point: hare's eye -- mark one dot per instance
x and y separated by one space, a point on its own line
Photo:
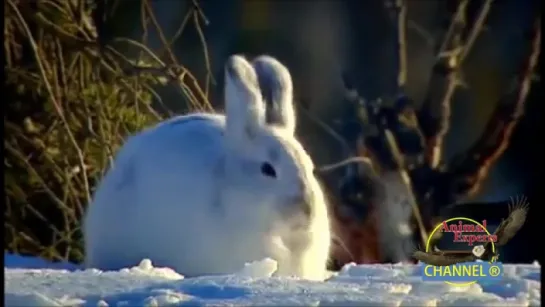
268 170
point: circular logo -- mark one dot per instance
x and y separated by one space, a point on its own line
493 269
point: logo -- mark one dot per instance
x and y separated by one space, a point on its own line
476 249
466 269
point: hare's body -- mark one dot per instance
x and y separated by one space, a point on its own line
204 195
128 230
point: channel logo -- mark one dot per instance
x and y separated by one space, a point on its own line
463 272
476 249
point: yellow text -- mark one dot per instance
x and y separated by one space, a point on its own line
471 270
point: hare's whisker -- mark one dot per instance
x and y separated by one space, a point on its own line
341 243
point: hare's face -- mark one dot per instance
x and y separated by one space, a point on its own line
276 175
268 169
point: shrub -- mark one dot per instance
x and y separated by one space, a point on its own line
73 97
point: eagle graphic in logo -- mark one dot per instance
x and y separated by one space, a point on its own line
518 210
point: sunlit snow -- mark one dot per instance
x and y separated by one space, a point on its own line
35 282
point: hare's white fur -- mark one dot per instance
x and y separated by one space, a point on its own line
189 193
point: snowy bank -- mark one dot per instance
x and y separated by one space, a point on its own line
34 282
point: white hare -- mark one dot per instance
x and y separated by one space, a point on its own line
207 193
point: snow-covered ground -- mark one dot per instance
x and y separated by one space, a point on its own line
34 282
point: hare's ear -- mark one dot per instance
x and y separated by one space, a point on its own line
244 106
277 88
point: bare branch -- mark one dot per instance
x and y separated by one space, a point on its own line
199 10
423 33
172 57
469 170
209 75
435 112
54 101
389 133
401 9
334 166
406 179
478 27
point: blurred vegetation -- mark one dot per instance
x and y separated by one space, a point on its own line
73 97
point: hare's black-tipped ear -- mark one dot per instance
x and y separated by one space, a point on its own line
277 88
244 106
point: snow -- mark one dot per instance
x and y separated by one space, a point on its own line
35 282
